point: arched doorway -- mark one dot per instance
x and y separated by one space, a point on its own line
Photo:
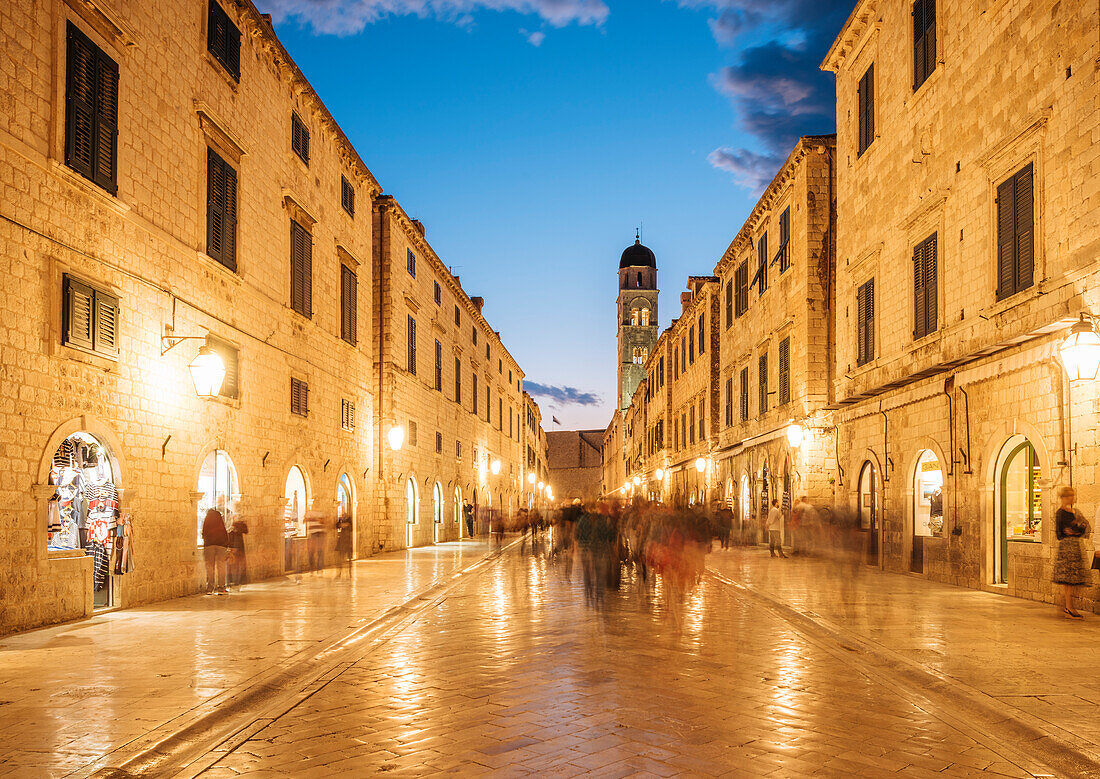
458 511
1018 501
764 496
437 510
84 510
412 511
867 509
927 506
296 497
744 516
346 506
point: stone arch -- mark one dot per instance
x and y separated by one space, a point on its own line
93 426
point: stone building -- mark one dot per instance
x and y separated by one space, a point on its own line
575 460
968 190
614 465
447 387
692 399
173 189
771 435
538 490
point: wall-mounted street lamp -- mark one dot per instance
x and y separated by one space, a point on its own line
207 373
396 437
549 493
637 481
495 467
541 485
659 474
700 464
795 433
531 477
1080 351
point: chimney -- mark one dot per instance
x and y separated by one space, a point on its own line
685 300
479 303
419 226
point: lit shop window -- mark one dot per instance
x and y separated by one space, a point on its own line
928 496
84 510
218 488
296 495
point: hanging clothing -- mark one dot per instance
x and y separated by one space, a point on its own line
53 516
65 456
101 564
124 546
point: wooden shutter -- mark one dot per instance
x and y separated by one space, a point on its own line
702 334
106 122
867 109
742 279
473 393
745 393
221 210
918 294
865 330
439 366
458 381
80 96
1006 239
78 314
229 254
1024 227
761 278
301 270
299 138
763 376
784 251
411 335
349 305
230 359
729 302
924 40
347 195
784 371
106 324
233 50
931 285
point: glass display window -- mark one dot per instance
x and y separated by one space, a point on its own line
218 488
1021 497
84 509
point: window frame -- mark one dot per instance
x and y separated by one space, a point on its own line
865 322
926 287
228 55
222 187
99 301
349 305
347 194
1009 242
98 110
865 110
410 344
299 138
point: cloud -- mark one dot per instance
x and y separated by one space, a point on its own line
534 38
750 170
774 83
348 17
565 396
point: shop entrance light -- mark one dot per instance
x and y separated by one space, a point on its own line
1081 351
207 372
795 432
396 437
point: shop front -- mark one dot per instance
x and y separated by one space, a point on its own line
84 513
296 502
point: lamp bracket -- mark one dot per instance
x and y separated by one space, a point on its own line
170 342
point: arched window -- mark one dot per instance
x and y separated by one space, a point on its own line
928 496
1019 504
746 499
868 497
217 488
645 317
634 316
296 495
412 502
458 511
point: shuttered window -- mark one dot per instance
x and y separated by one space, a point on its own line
458 316
223 40
488 402
689 426
702 333
90 318
865 323
783 253
924 41
412 433
745 394
221 210
741 279
438 294
439 366
763 376
866 109
439 443
729 401
91 111
925 312
299 397
410 262
785 371
349 305
301 270
458 381
702 420
473 393
230 357
299 138
347 195
760 280
347 415
1016 233
691 345
729 303
410 331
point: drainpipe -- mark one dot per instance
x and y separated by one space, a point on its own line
966 456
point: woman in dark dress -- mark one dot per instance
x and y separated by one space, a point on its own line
1070 570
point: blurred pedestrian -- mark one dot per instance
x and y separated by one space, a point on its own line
724 517
1070 570
343 544
315 540
214 541
236 561
468 516
775 530
798 526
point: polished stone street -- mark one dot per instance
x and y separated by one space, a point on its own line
510 665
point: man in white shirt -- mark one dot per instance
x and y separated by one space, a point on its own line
775 530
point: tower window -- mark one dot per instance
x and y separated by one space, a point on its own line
645 317
634 316
639 279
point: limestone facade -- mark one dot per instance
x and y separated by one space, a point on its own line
284 283
575 461
968 190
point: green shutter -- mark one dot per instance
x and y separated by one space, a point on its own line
78 314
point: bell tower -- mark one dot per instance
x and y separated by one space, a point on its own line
637 312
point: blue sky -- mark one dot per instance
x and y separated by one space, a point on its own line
532 137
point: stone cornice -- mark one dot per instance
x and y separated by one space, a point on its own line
859 20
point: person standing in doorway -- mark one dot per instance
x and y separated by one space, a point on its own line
343 544
468 516
1070 571
215 539
775 530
